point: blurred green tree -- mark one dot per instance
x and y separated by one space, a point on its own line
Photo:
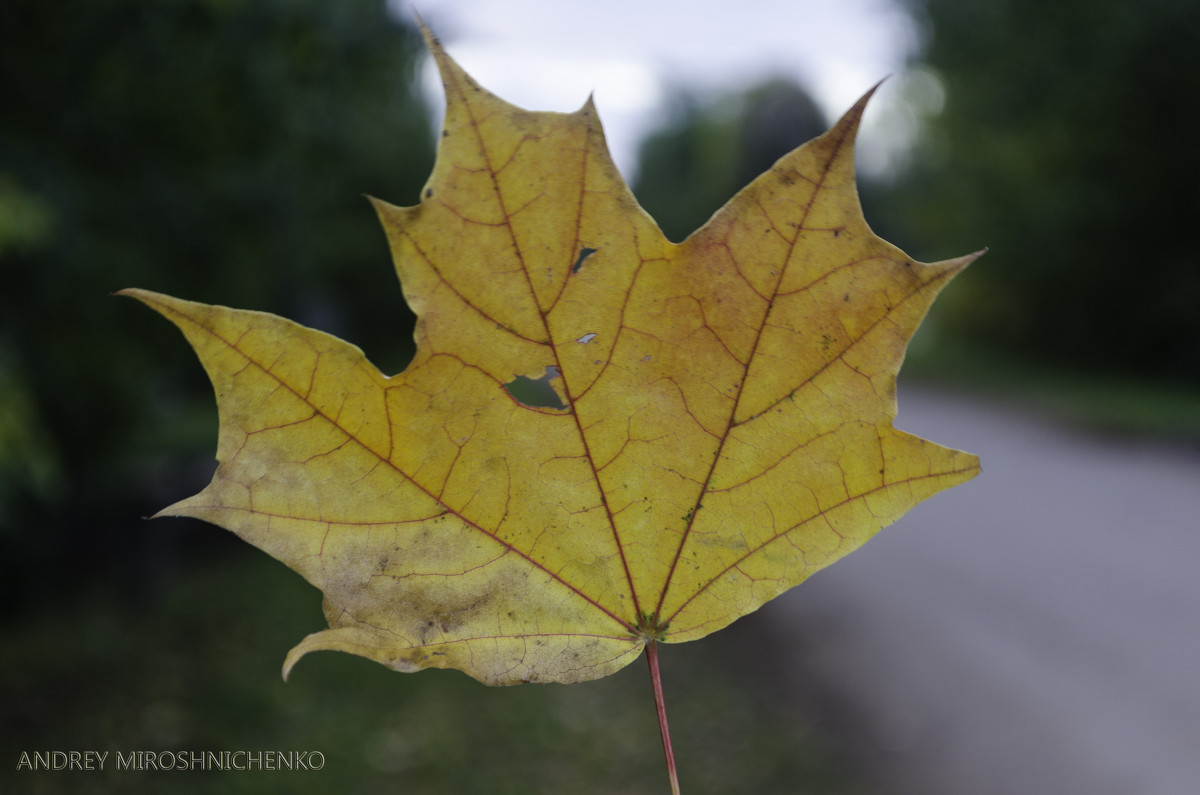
706 151
1067 144
215 149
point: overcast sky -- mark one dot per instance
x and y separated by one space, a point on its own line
550 54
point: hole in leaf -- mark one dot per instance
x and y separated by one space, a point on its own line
536 392
584 253
586 338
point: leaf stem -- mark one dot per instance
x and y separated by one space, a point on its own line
660 707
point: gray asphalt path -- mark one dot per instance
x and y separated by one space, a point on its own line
1036 630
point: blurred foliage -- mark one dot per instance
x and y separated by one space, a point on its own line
27 464
213 149
1067 145
705 151
24 220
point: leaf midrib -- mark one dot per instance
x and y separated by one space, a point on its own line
318 412
818 186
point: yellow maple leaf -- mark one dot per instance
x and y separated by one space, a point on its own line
726 421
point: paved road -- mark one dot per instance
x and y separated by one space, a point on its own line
1036 630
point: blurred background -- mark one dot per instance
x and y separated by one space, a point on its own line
219 150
